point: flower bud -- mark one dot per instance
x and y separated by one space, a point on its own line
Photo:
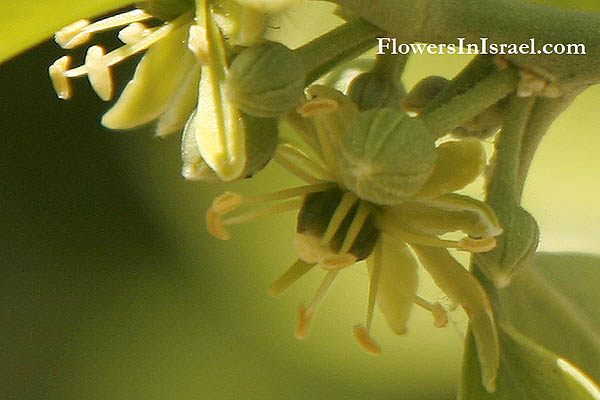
386 157
423 93
261 139
369 91
266 80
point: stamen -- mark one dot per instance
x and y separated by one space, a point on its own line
226 203
198 43
305 314
86 31
338 216
288 193
288 164
477 245
314 107
98 72
398 232
215 226
276 209
120 54
357 223
295 272
440 316
361 333
133 33
64 36
300 157
61 83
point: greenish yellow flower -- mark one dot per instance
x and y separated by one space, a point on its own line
377 191
180 80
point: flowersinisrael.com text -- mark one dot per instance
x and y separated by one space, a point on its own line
391 46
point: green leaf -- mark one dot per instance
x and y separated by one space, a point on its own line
584 5
527 371
27 23
556 302
549 313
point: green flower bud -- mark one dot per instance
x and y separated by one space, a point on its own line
369 91
386 157
266 80
261 139
423 93
166 9
316 213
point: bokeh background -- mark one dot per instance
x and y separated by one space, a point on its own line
112 289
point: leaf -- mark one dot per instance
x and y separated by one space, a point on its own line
556 302
27 23
527 371
548 314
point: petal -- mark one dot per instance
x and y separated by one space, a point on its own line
464 289
157 76
398 281
181 104
218 125
194 167
448 213
458 163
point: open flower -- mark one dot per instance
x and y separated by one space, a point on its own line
180 80
360 204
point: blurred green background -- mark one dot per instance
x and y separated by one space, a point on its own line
112 289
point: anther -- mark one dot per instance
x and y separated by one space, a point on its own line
99 73
440 316
133 33
361 334
305 314
61 83
64 37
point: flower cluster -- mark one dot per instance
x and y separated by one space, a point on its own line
380 184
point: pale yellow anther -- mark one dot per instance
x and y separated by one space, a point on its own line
318 106
98 72
361 334
215 226
440 316
304 319
226 203
477 245
311 250
64 37
61 83
133 33
198 43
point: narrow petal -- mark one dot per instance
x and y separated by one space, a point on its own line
220 131
447 213
398 281
464 289
154 83
458 163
